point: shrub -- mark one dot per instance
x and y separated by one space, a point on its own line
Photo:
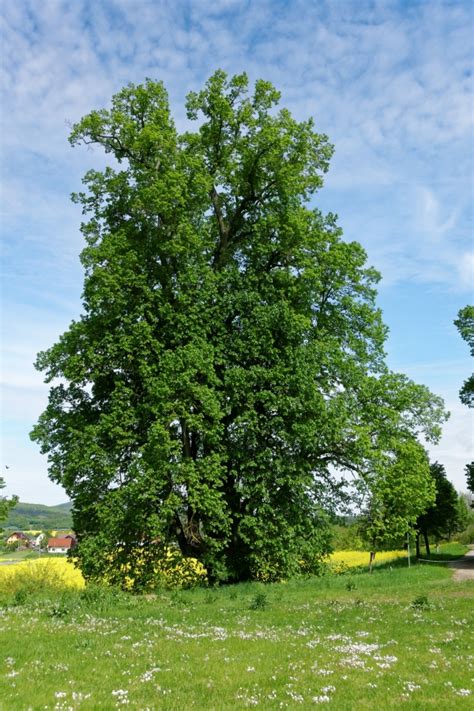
147 569
176 571
259 601
421 603
467 536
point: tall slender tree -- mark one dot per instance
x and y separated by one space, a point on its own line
465 325
469 469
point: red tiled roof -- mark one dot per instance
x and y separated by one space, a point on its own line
61 542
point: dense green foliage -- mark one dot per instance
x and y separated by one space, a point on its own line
465 325
467 536
465 513
346 537
6 504
441 519
39 517
229 362
470 476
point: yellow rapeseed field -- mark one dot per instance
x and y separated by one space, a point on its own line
340 560
60 573
54 572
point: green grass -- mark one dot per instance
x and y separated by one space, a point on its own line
28 554
17 556
447 551
359 641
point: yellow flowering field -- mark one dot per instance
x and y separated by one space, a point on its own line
60 572
341 560
54 572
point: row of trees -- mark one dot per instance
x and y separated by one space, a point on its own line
448 514
385 520
225 386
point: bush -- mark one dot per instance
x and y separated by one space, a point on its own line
176 571
421 603
467 536
148 569
259 601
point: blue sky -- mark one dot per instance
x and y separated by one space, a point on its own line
389 82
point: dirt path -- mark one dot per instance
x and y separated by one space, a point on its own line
464 567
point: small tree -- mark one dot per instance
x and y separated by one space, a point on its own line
441 518
465 515
399 492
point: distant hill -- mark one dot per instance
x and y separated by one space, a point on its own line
64 507
38 517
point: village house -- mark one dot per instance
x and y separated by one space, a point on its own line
18 537
61 544
38 540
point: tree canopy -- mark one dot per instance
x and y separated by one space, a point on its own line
227 374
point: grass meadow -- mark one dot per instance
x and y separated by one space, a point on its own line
399 637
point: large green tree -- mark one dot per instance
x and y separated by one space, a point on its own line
229 361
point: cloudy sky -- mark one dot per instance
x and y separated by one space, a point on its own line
390 82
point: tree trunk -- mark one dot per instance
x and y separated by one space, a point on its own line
417 540
427 544
371 561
